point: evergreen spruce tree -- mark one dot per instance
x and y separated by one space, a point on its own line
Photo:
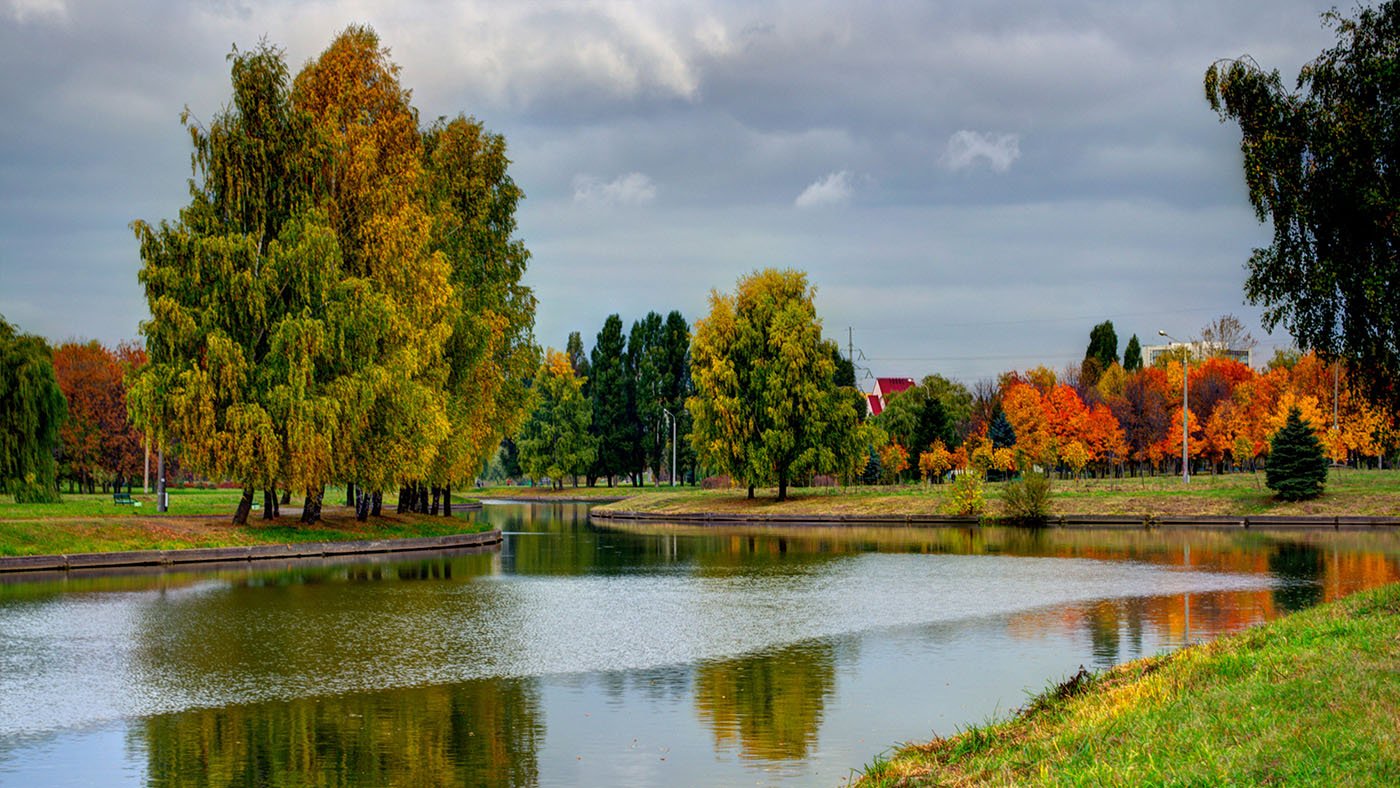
1297 468
1000 431
873 468
1132 355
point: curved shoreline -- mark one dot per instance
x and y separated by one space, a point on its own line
1253 521
260 552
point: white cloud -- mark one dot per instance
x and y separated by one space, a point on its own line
24 10
634 188
965 148
833 189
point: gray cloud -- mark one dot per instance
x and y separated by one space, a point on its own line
967 149
634 188
832 189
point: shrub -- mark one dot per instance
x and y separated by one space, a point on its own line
1027 499
967 496
1297 468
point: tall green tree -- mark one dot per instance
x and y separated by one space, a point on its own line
767 407
676 388
612 393
1322 162
1103 347
555 440
32 410
645 373
1132 355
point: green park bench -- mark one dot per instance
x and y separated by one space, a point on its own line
123 499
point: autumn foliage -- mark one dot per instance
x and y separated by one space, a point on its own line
1231 415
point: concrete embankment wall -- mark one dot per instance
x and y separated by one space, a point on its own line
1314 522
262 552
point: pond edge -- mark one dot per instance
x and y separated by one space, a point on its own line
259 552
1115 521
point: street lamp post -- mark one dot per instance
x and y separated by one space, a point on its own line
1185 412
673 445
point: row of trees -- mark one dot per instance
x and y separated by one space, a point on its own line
1132 422
630 388
341 299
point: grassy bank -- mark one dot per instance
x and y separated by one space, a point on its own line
1349 492
197 518
1310 699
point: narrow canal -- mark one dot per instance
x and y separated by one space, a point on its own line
582 655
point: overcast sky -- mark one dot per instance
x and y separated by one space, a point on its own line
971 186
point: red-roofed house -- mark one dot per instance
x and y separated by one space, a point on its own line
884 389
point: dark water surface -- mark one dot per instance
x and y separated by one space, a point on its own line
579 655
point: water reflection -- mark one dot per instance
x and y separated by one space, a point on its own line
472 733
768 704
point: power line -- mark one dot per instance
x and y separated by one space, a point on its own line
1031 321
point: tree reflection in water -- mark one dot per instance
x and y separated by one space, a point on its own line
771 703
472 733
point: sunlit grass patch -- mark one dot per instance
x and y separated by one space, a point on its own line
1308 699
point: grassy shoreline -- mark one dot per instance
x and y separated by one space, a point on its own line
1310 698
197 518
1349 492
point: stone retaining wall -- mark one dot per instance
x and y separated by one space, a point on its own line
201 555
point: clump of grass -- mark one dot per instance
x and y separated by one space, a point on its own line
1307 699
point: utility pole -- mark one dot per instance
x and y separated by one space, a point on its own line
672 417
160 477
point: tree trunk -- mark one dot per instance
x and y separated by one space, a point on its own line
361 505
376 503
286 498
269 503
349 493
447 500
437 499
245 505
422 498
750 492
782 485
311 510
403 499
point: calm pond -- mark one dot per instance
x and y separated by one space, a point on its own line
584 655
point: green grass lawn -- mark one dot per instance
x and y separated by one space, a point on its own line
1349 492
83 523
1310 699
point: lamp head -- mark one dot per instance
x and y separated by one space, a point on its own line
1161 333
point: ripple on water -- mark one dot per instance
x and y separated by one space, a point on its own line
74 660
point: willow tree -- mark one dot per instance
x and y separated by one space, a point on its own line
219 282
393 316
491 353
766 405
32 410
